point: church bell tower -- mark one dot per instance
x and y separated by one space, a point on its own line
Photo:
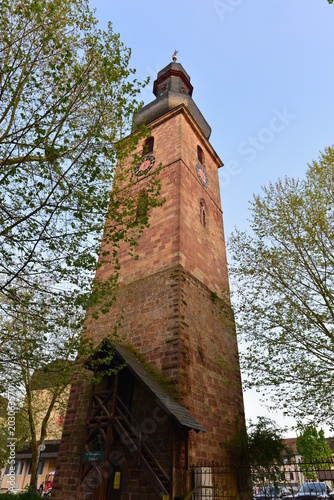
176 318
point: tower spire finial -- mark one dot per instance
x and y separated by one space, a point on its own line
174 55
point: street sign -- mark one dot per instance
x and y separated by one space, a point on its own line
93 456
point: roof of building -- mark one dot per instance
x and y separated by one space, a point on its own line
172 88
51 450
291 442
163 399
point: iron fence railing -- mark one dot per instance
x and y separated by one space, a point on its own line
242 481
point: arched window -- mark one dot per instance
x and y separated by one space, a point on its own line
200 155
148 146
203 213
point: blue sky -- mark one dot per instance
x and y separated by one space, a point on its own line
263 77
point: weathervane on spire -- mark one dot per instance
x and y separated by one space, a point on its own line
174 55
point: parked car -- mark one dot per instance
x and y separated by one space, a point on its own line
314 490
274 491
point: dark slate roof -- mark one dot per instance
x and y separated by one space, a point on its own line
173 75
163 399
51 450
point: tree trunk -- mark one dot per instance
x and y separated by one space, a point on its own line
34 464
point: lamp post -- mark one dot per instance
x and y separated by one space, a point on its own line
41 447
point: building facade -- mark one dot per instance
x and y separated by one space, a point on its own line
176 319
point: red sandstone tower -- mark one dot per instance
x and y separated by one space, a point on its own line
131 438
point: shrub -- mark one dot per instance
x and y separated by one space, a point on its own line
19 496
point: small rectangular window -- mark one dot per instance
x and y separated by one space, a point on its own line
21 467
149 144
200 155
40 467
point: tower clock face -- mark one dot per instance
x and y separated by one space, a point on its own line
145 165
201 174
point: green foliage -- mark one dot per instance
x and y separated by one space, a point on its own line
266 445
67 101
19 496
316 453
261 445
283 288
100 362
21 431
67 97
3 433
30 373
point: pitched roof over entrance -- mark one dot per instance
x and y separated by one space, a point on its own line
162 397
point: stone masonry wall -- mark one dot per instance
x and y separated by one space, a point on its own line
150 319
169 302
177 324
210 379
158 247
175 233
202 248
71 446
